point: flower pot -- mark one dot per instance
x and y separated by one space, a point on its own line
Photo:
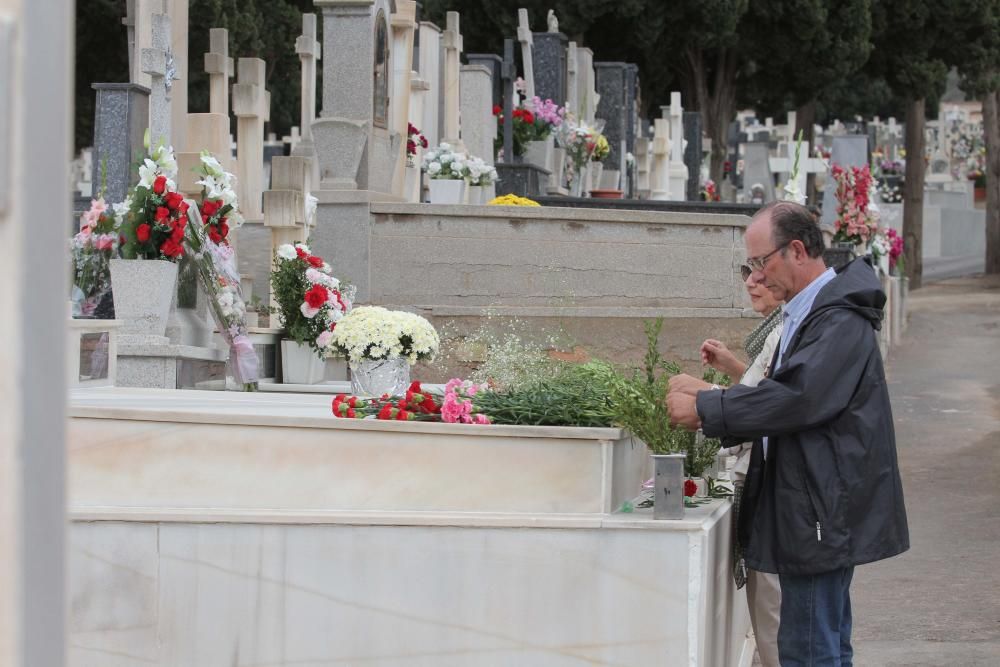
447 191
143 290
540 153
979 194
381 376
411 188
668 486
300 364
606 194
596 170
476 193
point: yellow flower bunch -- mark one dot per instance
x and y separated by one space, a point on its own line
512 200
601 148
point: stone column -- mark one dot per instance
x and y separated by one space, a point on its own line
121 116
36 86
452 40
403 24
252 106
572 81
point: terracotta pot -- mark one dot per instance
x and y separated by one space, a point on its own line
606 194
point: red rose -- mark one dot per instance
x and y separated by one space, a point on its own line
528 117
518 113
178 234
162 213
690 487
173 199
316 296
411 147
497 110
182 208
301 253
215 237
209 208
315 262
423 141
160 184
141 233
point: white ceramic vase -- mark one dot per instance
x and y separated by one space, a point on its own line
447 191
300 364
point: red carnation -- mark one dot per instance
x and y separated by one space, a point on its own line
528 117
301 253
385 412
160 184
141 233
162 213
690 487
497 110
173 199
403 416
316 296
315 262
415 387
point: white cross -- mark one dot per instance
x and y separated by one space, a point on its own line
527 41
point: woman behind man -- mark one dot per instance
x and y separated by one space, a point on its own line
763 590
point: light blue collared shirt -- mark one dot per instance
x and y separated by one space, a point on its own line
794 312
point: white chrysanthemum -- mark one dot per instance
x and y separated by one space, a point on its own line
286 251
434 168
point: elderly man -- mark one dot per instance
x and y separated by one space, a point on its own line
823 492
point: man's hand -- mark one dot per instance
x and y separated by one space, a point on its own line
685 384
683 410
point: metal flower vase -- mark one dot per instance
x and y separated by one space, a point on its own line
376 377
668 486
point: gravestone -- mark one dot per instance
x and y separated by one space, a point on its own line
660 168
403 23
678 170
493 63
572 79
479 128
157 63
612 109
526 38
693 154
219 67
252 107
847 151
121 116
757 170
309 51
549 60
587 97
452 43
430 71
632 104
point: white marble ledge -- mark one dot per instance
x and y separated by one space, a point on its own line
283 410
171 350
698 518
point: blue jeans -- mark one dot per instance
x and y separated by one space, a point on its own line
815 628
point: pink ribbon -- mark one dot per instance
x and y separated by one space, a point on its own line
244 359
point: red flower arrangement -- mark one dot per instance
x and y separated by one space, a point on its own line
154 225
213 214
413 139
690 488
854 223
416 405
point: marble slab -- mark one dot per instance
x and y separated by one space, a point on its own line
173 449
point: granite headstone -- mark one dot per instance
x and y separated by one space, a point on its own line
692 153
612 108
121 116
550 66
494 64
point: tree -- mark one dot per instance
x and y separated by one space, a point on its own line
916 41
981 78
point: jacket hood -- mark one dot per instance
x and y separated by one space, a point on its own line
856 287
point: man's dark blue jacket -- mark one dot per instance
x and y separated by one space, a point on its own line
828 495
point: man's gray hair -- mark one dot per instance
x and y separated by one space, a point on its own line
793 222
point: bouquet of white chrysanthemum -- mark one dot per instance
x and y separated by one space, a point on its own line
374 333
445 163
480 173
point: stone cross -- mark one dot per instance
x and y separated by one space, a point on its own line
452 41
661 160
309 51
507 73
527 41
157 62
129 23
252 106
572 94
219 67
403 24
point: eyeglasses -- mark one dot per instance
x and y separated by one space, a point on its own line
757 263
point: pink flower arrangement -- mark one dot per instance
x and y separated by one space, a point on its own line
548 115
895 247
855 223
